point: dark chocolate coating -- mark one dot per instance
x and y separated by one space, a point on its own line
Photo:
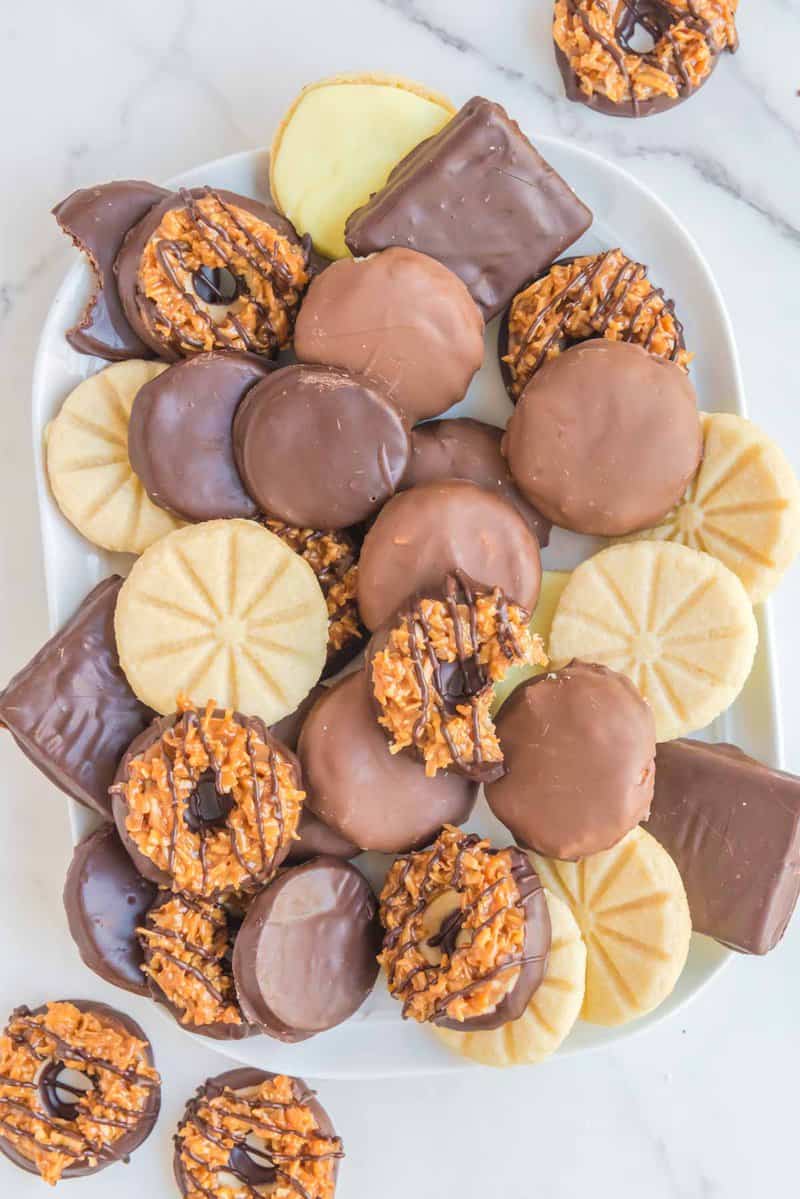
180 435
468 449
371 797
479 198
319 447
97 219
732 825
305 958
579 745
106 899
287 730
71 710
129 1141
445 528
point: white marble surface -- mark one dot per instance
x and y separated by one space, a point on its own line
702 1106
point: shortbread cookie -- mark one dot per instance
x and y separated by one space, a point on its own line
632 911
222 608
553 583
551 1011
88 467
337 144
743 505
676 621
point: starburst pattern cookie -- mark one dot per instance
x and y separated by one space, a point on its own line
88 466
552 1009
222 608
677 622
743 505
631 908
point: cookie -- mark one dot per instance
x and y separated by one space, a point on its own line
305 956
78 1091
211 270
180 436
632 911
337 143
222 608
432 667
551 1012
605 438
579 747
467 932
207 801
319 447
743 505
553 583
400 318
677 622
90 473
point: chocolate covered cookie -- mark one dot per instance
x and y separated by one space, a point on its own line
371 797
210 270
319 447
437 529
467 932
605 438
305 956
78 1088
105 900
400 318
180 435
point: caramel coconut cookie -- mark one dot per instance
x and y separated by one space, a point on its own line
207 801
600 67
78 1088
467 932
267 1131
211 270
187 944
597 295
432 672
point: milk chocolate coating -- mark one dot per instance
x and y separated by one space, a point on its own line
478 198
318 447
97 219
445 528
605 438
732 825
579 748
106 899
180 435
70 710
371 797
305 956
402 319
468 449
130 1140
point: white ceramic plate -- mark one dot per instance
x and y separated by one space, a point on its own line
376 1042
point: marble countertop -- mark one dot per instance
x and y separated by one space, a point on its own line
703 1105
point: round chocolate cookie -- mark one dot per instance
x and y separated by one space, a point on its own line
305 956
267 1131
180 435
319 447
207 802
67 1121
605 438
467 932
579 746
211 270
400 317
105 899
437 529
468 449
371 797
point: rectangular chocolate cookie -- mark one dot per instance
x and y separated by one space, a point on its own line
479 198
732 826
71 710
